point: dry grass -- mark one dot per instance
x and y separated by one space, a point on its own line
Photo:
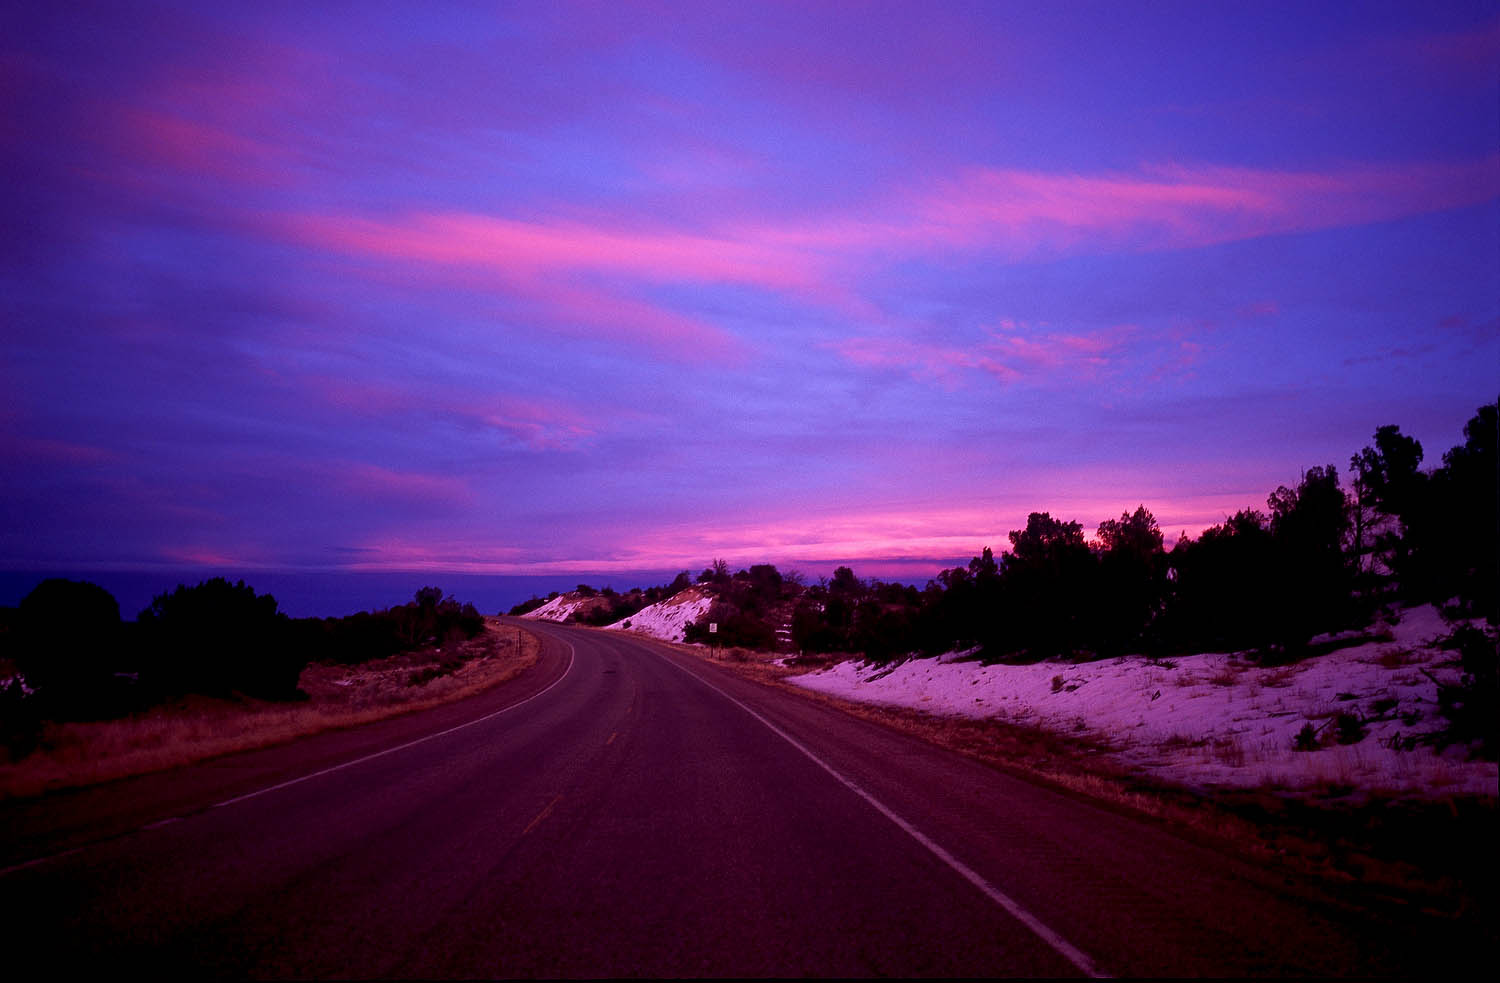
196 728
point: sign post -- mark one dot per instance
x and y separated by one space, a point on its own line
713 643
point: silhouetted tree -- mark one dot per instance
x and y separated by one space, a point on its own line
1224 585
1391 509
219 638
1465 546
845 584
717 573
1313 577
1047 587
69 643
1132 579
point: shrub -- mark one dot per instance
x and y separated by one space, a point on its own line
69 645
1349 729
219 638
735 629
1471 706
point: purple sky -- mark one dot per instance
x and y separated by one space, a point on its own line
557 287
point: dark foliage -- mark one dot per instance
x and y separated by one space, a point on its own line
1132 582
1463 550
735 628
1472 706
68 642
218 639
430 618
1223 584
1313 580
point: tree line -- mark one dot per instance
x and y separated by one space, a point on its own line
77 659
1316 559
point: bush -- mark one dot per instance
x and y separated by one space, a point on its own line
1471 706
1349 729
219 638
735 629
69 645
429 619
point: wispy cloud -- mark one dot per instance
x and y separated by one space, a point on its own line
1172 206
532 422
1013 353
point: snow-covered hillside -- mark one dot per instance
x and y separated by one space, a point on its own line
667 619
563 606
1220 720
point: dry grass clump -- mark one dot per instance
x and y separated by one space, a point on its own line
195 728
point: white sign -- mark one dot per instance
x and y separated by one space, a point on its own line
713 627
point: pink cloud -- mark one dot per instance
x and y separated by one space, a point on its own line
208 556
944 364
538 425
523 250
592 280
1011 353
535 423
17 448
1175 206
186 146
373 481
582 311
552 271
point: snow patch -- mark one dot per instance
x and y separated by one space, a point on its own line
668 619
560 608
1215 719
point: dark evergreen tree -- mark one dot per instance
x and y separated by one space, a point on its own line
1314 578
1132 580
1464 549
1047 587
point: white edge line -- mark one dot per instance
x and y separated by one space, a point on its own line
572 655
1063 947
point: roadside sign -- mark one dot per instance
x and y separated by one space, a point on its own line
713 627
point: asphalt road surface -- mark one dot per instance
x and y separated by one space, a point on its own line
626 810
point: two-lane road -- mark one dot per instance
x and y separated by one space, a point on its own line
628 810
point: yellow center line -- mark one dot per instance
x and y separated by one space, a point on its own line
547 811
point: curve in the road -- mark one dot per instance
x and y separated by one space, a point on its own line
628 809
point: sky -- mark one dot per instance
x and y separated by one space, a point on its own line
545 289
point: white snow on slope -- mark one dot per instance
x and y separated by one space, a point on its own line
560 608
667 619
1215 720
